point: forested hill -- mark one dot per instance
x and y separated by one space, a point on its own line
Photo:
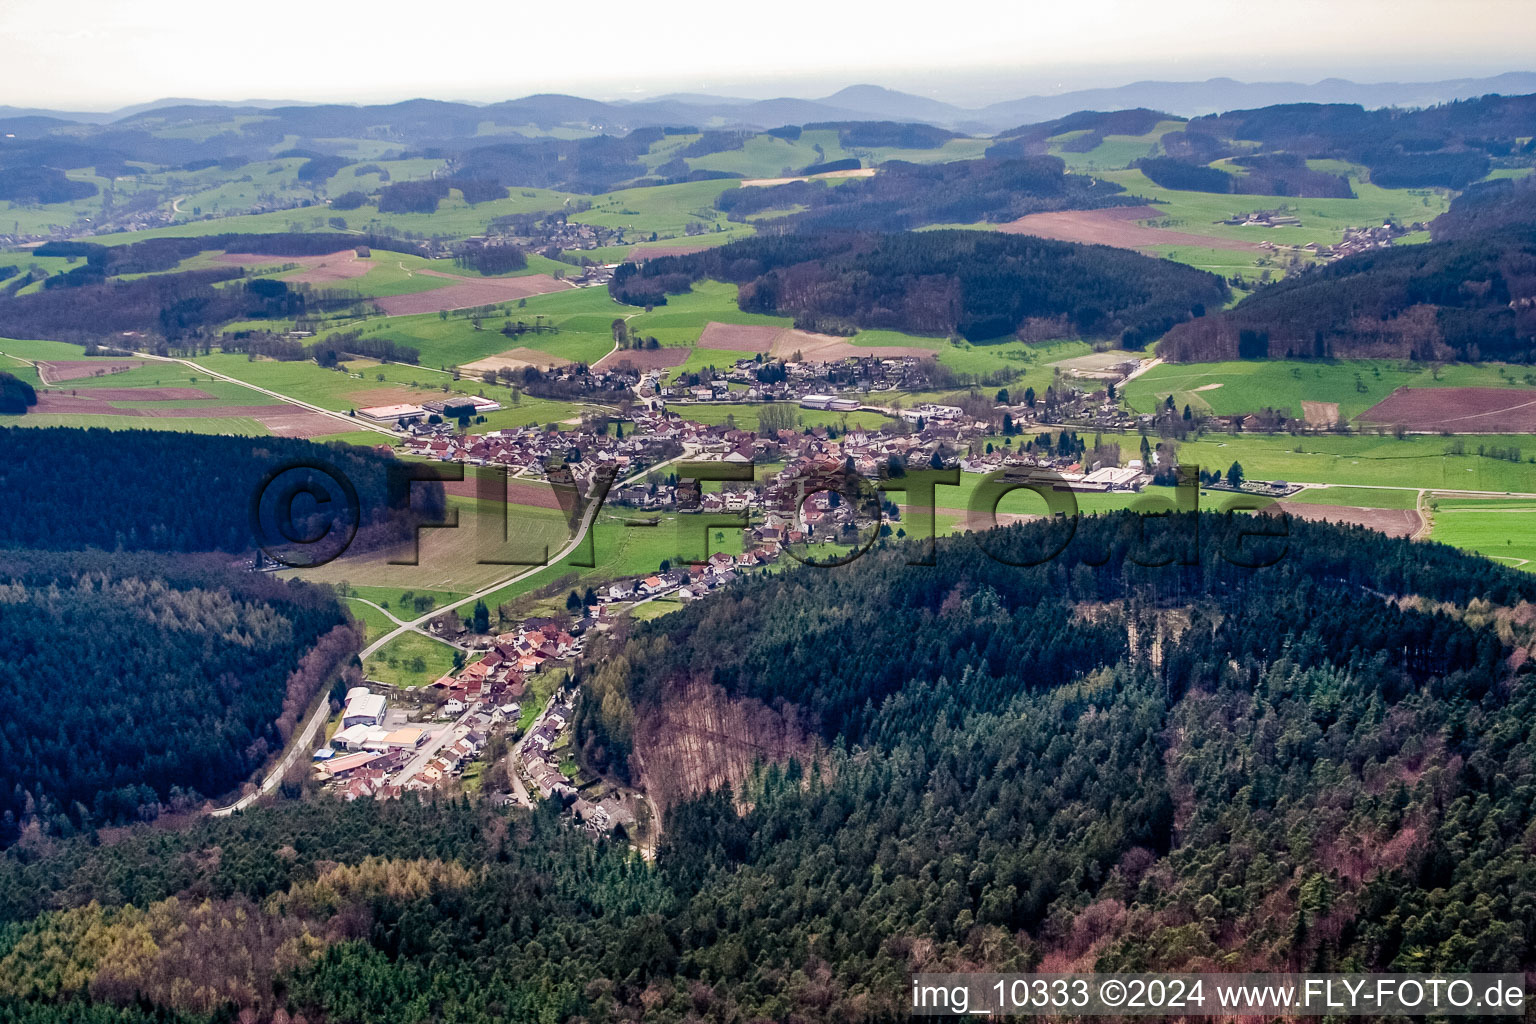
994 624
159 490
907 195
1472 297
977 284
1086 764
136 682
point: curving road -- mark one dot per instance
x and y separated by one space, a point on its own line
305 741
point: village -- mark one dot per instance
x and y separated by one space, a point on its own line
504 714
388 742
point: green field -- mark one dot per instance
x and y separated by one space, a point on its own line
1322 220
361 386
1358 497
1502 530
665 211
375 622
1231 388
1414 462
410 659
1113 151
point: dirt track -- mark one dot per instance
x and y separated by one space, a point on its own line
515 359
1394 522
56 371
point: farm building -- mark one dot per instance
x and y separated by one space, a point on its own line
393 413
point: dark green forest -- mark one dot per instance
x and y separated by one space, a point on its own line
1443 300
906 195
977 284
134 682
137 681
1450 145
155 490
1097 761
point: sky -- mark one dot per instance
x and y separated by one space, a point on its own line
105 54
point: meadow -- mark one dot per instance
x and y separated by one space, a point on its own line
1113 151
1501 530
1417 461
1322 220
1231 388
410 660
367 383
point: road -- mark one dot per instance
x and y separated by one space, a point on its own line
519 791
319 715
352 422
431 747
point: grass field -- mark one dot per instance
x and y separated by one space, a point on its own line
1502 530
450 560
766 156
1230 388
375 622
1415 461
1114 151
342 390
410 659
1322 220
663 210
623 550
1358 497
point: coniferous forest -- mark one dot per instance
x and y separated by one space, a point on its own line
976 284
1176 744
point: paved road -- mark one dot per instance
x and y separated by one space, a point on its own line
306 737
432 746
520 792
300 746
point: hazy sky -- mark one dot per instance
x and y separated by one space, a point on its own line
103 54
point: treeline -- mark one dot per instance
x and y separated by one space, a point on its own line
977 284
1266 174
1488 207
493 259
334 348
167 681
413 196
168 491
1031 139
588 165
1443 300
891 134
154 255
1209 557
16 395
905 195
169 306
42 185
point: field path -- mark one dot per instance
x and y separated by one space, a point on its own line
341 417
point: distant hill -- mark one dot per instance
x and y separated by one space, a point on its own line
873 102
